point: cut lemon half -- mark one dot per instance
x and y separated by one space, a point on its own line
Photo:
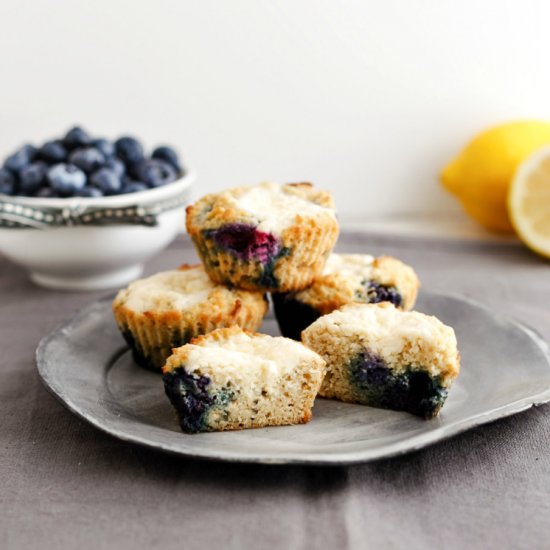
529 201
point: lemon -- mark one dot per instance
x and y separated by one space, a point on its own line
529 202
481 175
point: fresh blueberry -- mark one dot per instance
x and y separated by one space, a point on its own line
20 159
106 180
53 152
129 149
76 137
89 192
167 154
87 159
126 179
32 178
46 193
134 187
66 179
30 149
7 182
105 146
115 165
133 169
155 172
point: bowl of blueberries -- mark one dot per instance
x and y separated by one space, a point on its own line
83 213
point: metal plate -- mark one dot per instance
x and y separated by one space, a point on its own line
505 370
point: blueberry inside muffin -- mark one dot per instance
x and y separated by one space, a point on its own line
249 245
232 379
246 242
189 395
346 278
414 391
264 237
380 356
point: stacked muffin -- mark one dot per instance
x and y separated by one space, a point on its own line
197 323
270 237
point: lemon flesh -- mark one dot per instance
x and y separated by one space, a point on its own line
529 202
481 175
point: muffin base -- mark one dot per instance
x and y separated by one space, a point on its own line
292 315
153 358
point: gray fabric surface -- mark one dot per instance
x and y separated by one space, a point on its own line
64 484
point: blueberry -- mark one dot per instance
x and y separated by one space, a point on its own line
46 193
76 137
89 192
87 159
155 172
134 170
30 150
126 179
412 390
115 165
246 242
32 177
129 149
105 146
381 293
167 154
106 180
133 187
53 152
20 159
189 395
7 182
66 179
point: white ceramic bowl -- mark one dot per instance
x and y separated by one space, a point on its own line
91 243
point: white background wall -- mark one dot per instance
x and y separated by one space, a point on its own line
366 98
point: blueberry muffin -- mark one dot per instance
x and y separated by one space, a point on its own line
168 309
232 379
267 237
346 278
380 356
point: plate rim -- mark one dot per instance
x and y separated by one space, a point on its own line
398 448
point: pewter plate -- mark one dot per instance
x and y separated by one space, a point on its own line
505 370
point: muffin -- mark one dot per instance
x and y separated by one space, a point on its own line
232 379
168 309
380 356
346 278
268 237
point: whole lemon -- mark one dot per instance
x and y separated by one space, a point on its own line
481 174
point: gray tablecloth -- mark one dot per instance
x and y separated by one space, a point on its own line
64 484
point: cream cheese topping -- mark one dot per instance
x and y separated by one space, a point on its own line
275 208
387 331
259 360
169 290
355 268
352 264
